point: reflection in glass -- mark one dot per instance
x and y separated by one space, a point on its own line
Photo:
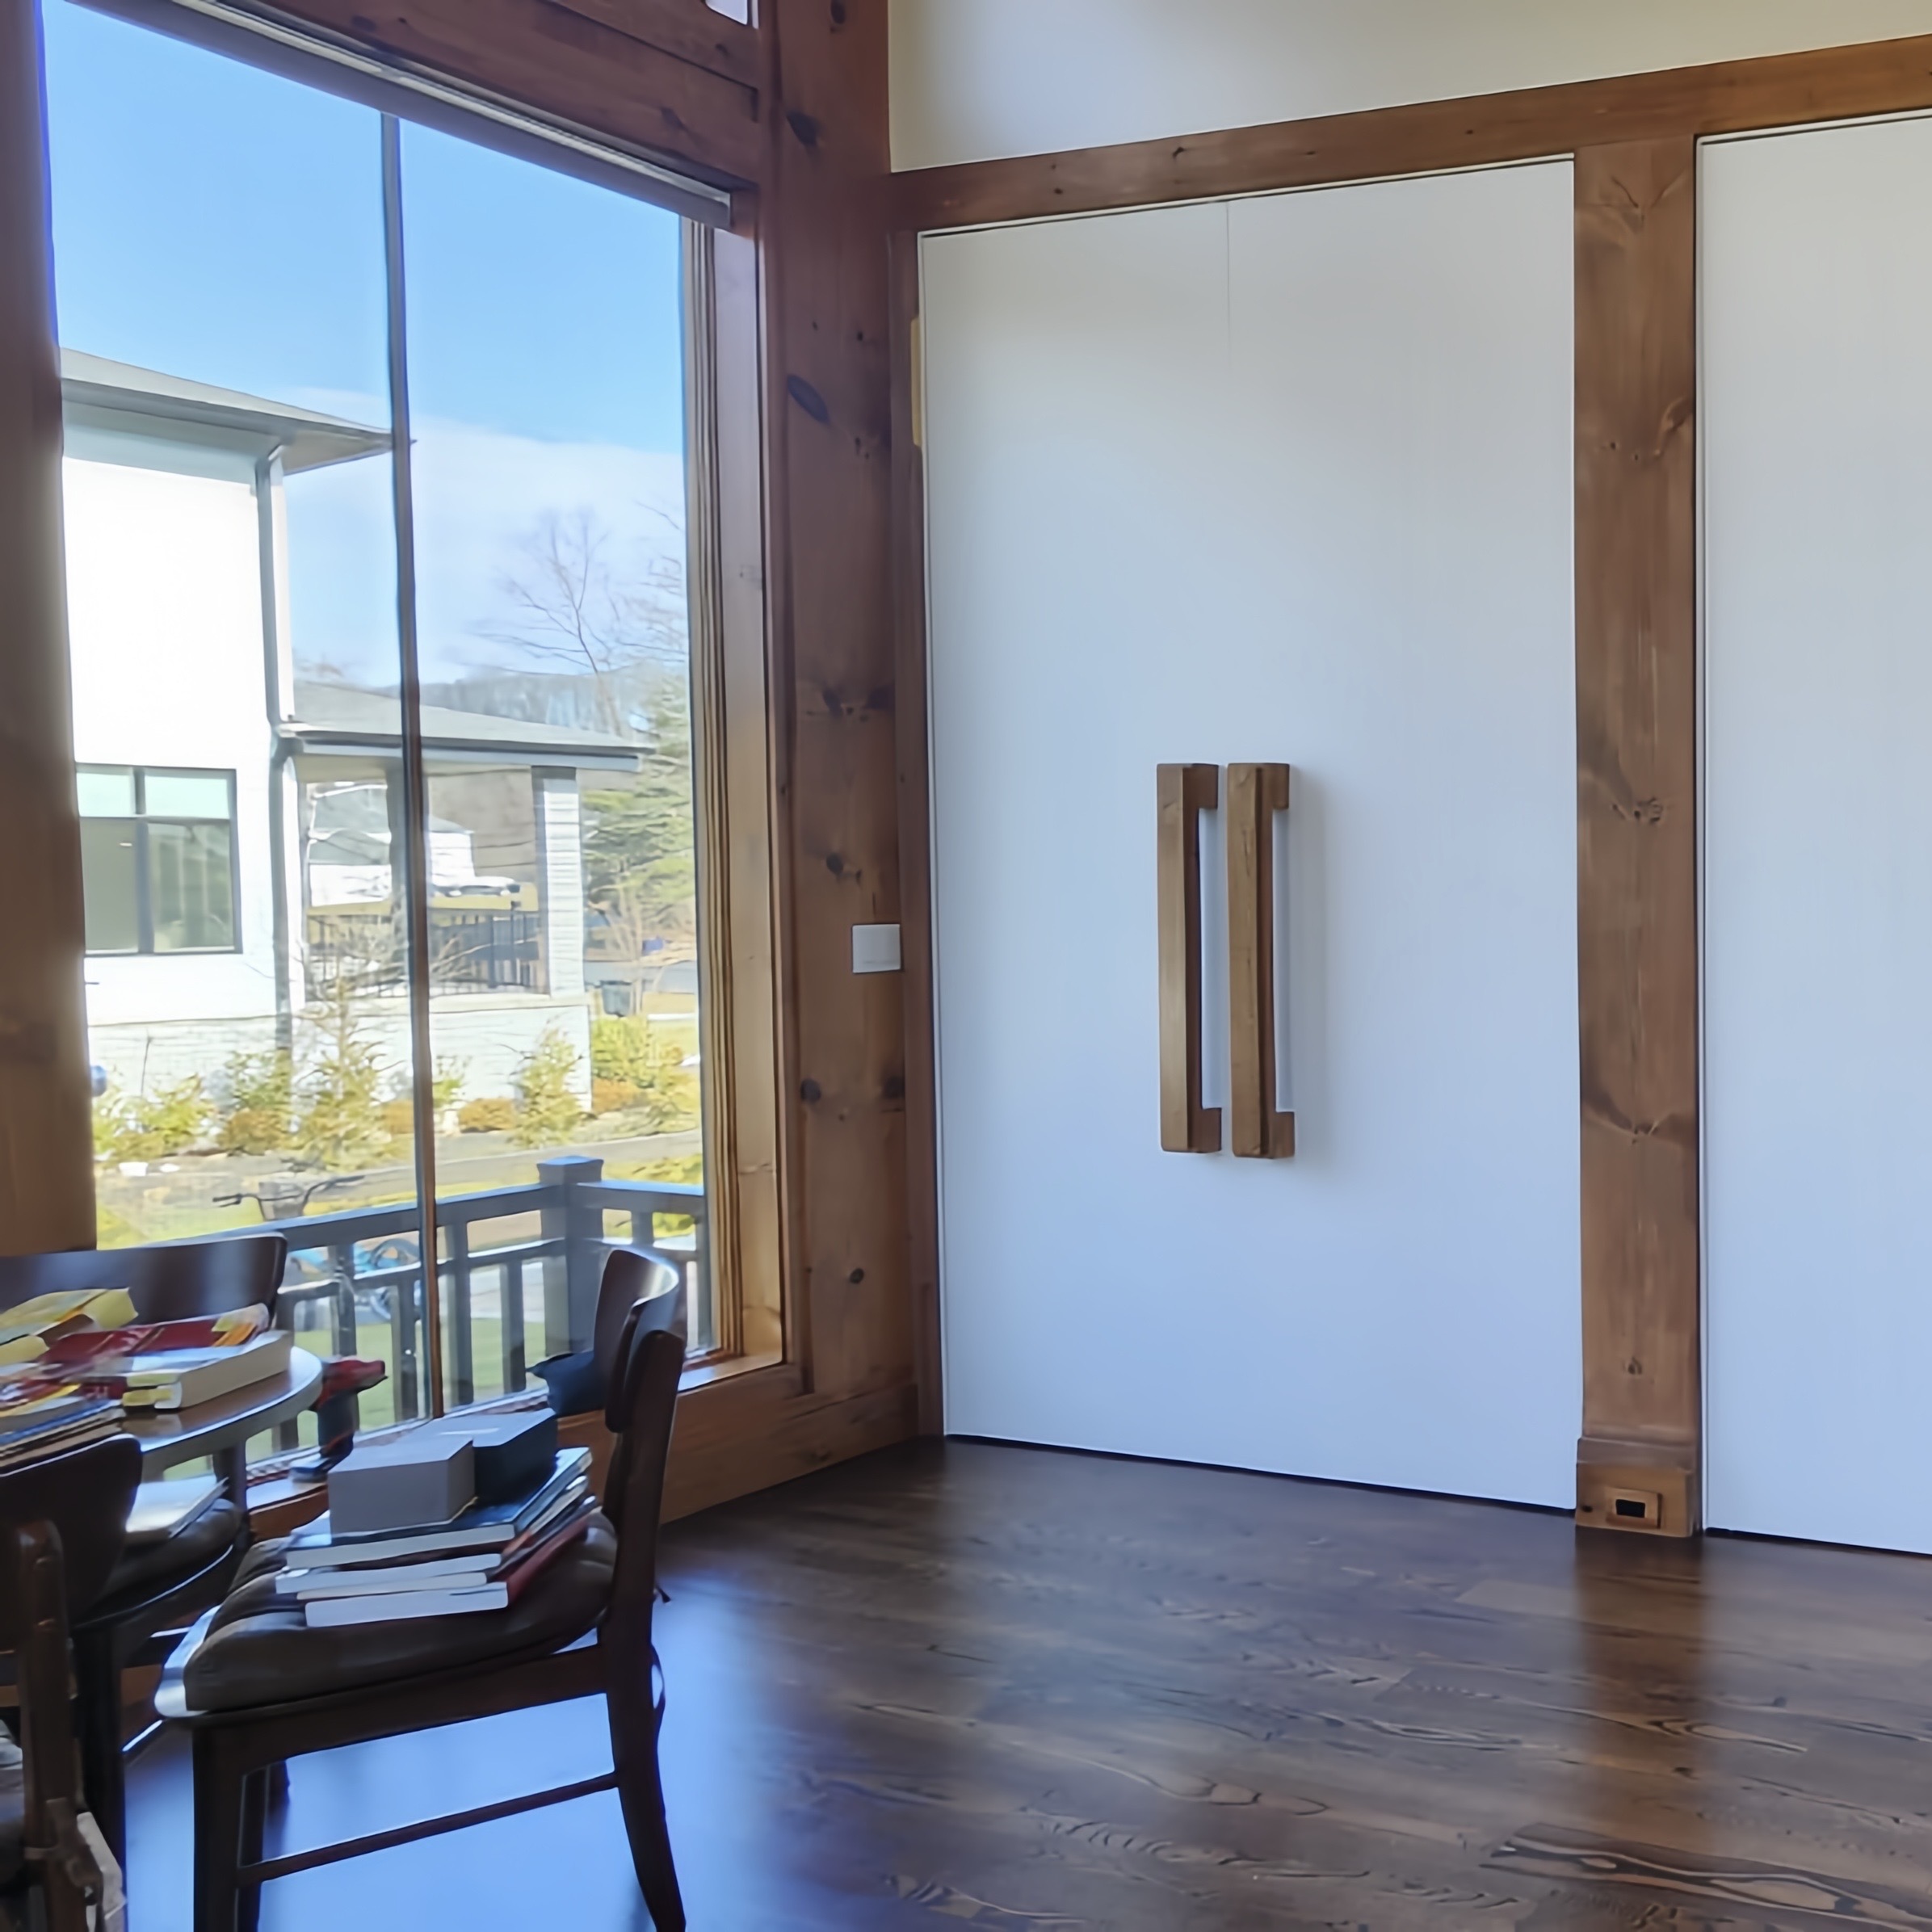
546 375
224 307
221 299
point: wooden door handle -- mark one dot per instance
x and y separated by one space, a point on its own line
1258 1129
1186 792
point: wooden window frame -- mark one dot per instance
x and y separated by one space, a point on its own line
736 812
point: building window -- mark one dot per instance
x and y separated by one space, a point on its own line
157 856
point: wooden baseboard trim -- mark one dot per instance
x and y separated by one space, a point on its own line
1638 1488
726 1449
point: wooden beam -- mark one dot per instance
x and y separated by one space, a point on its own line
46 1143
1885 76
915 831
688 30
561 62
1636 722
829 448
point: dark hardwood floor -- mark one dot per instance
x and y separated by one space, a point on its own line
965 1684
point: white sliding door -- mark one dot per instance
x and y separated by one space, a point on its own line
1817 428
1287 479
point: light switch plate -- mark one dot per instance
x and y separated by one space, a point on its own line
875 949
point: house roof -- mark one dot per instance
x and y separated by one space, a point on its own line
341 719
122 396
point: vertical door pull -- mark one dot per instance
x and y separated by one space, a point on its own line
1257 1129
1186 792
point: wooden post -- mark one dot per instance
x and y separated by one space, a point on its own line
46 1146
1639 1461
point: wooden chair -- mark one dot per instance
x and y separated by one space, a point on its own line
258 1687
60 1524
163 1585
580 1383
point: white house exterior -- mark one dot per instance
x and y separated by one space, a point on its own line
176 544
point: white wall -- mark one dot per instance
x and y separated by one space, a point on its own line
972 79
164 597
1817 412
1288 479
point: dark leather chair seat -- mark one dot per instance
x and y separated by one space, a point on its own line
259 1651
13 1809
145 1569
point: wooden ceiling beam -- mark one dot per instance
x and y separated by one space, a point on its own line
686 29
1832 83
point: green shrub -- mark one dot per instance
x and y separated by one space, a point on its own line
494 1116
339 1125
613 1096
619 1049
151 1127
548 1108
259 1117
636 1053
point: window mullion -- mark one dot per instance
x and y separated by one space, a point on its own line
415 791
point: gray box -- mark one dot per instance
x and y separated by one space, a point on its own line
418 1481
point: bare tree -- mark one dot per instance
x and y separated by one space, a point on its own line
575 602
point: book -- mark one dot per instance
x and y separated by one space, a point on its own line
62 1418
184 1377
469 1570
461 1571
434 1573
25 1404
79 1351
27 1329
336 1613
58 1438
163 1509
481 1527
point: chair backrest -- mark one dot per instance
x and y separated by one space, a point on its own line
631 1275
169 1282
634 1495
85 1495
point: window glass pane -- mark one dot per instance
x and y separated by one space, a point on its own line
185 794
105 794
223 226
107 874
547 375
190 887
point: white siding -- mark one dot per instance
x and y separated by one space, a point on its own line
164 604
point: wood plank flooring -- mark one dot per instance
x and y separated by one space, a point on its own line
960 1683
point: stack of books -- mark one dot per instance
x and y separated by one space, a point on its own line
27 1328
171 1364
481 1558
39 1418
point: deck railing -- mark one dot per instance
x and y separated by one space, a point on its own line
346 1266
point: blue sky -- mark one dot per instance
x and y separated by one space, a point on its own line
222 224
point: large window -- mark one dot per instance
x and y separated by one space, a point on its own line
157 852
395 673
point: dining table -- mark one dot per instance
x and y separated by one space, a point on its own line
222 1429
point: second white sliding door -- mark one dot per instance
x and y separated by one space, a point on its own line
1287 479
